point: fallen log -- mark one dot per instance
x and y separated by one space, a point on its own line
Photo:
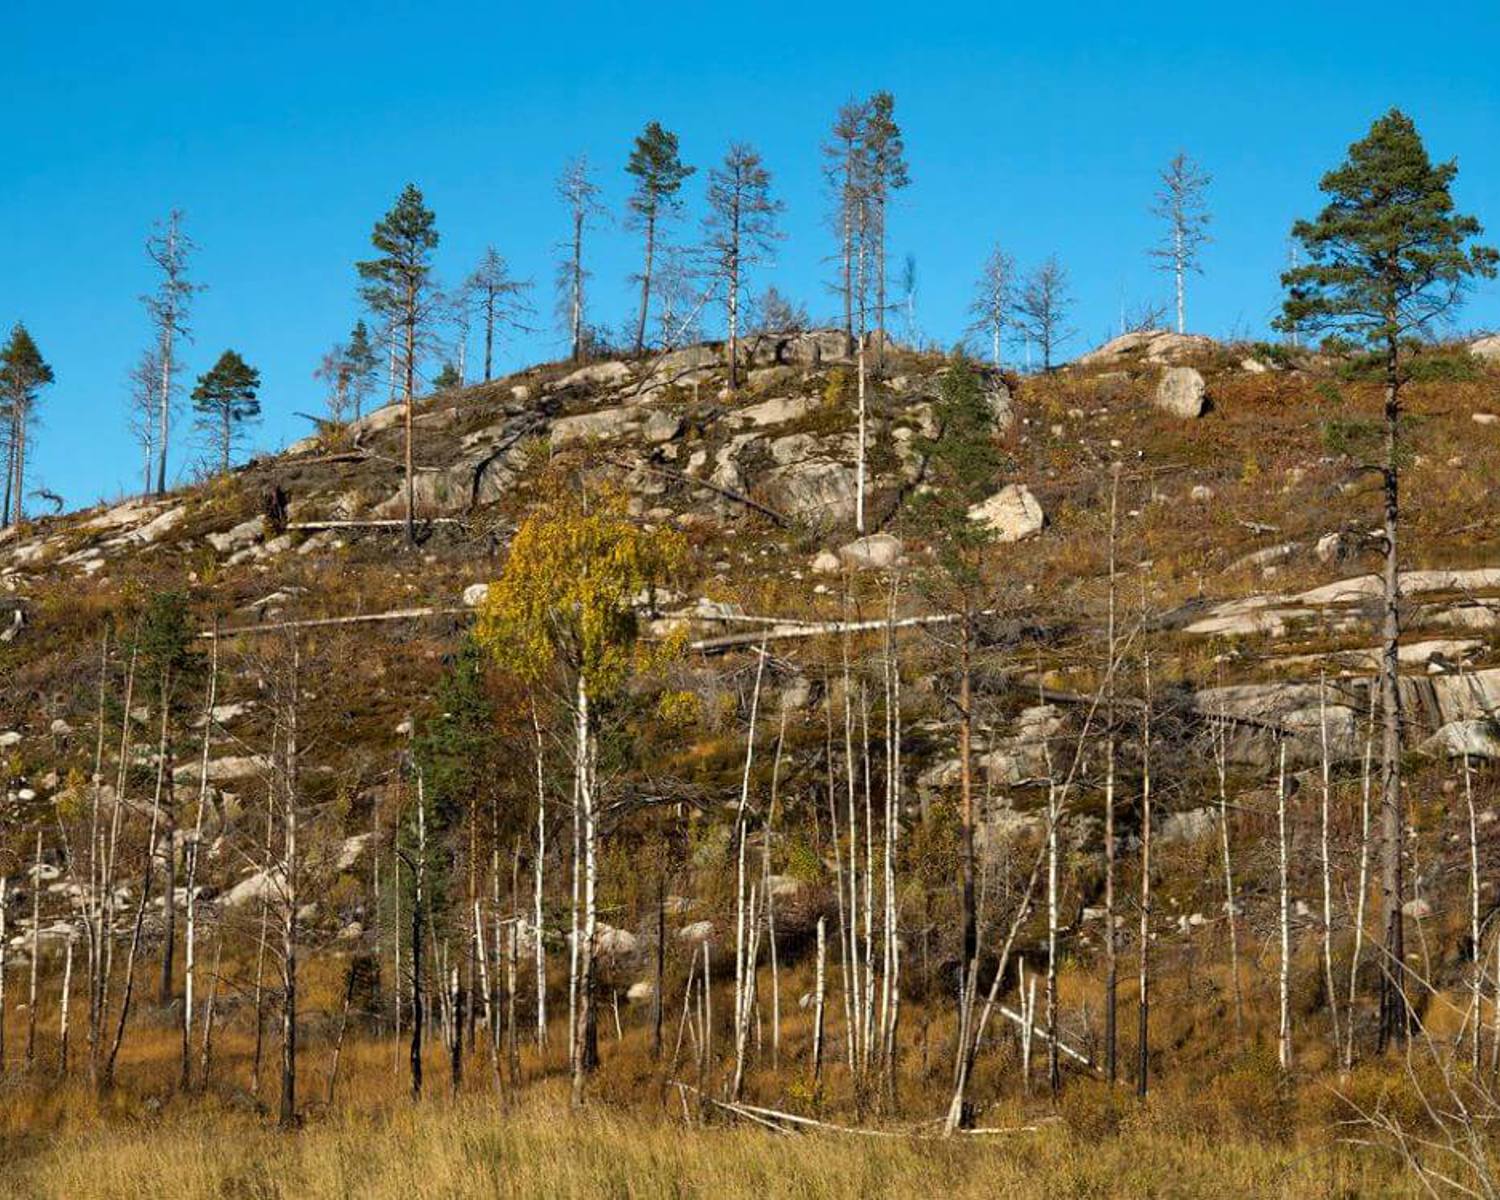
400 614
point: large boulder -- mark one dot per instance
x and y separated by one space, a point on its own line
387 417
1002 408
1182 392
601 425
777 411
1487 348
1011 514
606 374
1150 345
875 552
817 491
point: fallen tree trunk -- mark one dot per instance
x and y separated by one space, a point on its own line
401 614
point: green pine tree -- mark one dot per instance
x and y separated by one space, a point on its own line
659 172
398 286
361 364
23 373
226 401
1386 258
963 466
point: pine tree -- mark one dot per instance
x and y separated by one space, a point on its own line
398 286
225 401
361 364
886 171
23 373
659 172
740 229
963 464
1387 258
844 164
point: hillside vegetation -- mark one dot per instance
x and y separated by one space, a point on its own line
253 691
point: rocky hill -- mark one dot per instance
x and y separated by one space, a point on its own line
1244 538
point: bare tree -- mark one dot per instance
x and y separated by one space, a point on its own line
843 170
169 249
1182 205
994 299
740 230
1042 308
333 371
581 195
499 299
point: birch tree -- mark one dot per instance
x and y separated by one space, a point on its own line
740 231
398 285
1387 258
566 598
994 300
1182 206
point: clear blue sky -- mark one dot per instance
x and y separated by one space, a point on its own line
285 130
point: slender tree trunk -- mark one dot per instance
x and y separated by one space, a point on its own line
1231 915
205 1059
1361 892
575 298
1283 923
1476 980
63 1007
164 401
538 866
290 872
36 953
1111 940
966 793
1143 1010
1327 865
418 999
4 947
859 483
586 1053
819 991
1394 1011
1054 820
640 325
489 333
661 961
409 322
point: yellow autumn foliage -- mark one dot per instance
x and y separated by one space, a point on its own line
569 590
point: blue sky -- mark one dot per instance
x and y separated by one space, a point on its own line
285 130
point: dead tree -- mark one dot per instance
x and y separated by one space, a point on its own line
1183 209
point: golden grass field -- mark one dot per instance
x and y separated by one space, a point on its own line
1238 1131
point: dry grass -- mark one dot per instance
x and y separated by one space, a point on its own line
534 1147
